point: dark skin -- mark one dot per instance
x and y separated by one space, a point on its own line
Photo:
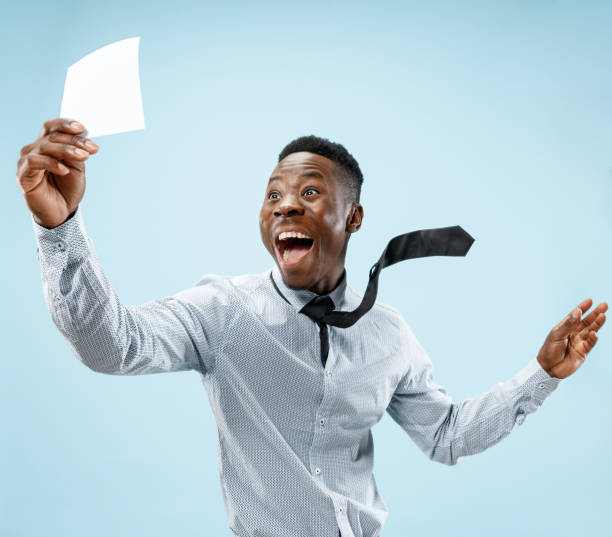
306 194
51 171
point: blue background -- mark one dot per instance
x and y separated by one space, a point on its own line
494 116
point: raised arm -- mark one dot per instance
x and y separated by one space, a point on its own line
177 333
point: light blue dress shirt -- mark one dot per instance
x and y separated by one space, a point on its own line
295 447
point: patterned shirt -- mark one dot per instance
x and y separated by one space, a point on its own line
295 447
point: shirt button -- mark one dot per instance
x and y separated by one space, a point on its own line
322 422
541 386
340 509
60 246
328 373
317 471
520 418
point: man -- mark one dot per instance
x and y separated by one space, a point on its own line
294 397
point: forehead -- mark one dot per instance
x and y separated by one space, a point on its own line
303 162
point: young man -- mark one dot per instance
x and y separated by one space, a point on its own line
294 397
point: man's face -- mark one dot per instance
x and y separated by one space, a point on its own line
306 219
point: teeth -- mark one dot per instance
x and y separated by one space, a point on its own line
292 235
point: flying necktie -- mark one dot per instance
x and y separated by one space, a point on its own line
445 241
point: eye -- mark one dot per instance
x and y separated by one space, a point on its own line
312 190
273 195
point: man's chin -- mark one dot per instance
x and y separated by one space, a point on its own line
295 277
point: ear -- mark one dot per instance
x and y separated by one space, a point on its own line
353 222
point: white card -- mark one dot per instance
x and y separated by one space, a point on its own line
102 90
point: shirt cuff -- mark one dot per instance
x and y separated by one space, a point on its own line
530 387
57 246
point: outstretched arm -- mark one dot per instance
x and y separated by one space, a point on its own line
446 431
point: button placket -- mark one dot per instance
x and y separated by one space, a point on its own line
341 517
317 448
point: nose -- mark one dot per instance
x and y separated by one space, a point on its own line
289 206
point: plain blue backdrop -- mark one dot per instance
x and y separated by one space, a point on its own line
493 116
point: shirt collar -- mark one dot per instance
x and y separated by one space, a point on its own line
298 298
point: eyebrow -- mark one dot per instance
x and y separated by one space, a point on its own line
305 174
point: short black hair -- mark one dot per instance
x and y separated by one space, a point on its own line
332 151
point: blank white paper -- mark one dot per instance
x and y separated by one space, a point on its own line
102 90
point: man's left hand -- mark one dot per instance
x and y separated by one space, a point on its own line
568 343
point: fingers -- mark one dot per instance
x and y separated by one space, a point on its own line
588 320
586 339
585 345
32 165
26 149
60 124
74 165
597 323
49 156
59 150
75 140
570 322
585 305
62 151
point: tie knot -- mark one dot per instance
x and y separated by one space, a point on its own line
318 307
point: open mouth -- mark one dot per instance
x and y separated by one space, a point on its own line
292 247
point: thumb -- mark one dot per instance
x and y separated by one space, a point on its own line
565 327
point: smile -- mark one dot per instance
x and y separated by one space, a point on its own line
293 246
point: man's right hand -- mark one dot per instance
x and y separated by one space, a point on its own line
51 171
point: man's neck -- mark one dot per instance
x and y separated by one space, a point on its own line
323 288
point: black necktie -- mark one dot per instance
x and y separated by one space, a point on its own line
445 241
